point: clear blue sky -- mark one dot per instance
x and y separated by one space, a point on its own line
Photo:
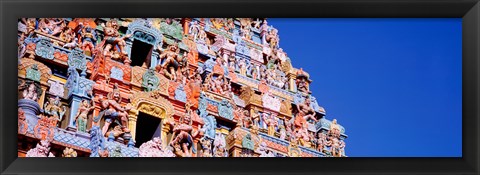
394 84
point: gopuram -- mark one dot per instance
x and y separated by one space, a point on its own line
174 87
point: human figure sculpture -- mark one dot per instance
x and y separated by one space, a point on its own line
30 91
51 26
112 110
171 61
67 35
41 150
202 35
88 39
321 141
194 29
81 117
272 38
219 146
206 145
304 112
55 109
271 124
154 148
334 144
341 148
30 24
183 135
264 152
302 85
69 152
113 38
334 128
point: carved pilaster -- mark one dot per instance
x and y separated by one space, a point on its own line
132 122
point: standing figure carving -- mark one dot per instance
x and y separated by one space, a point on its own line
113 111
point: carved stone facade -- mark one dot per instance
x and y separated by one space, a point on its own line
166 87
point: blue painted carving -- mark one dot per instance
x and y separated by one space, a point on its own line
97 142
208 66
31 109
225 109
116 73
298 98
33 73
76 84
236 36
247 142
202 103
143 30
173 29
242 51
209 127
180 94
77 59
44 48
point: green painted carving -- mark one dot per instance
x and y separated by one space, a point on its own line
174 29
150 81
33 73
247 142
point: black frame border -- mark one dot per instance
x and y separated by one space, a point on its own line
469 10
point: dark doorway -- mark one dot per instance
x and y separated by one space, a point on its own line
141 53
147 128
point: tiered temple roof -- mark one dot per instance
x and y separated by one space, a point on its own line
165 87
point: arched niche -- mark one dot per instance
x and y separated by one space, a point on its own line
141 46
150 104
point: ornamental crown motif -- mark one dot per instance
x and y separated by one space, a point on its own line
33 73
150 81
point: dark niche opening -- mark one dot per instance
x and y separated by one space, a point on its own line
141 53
147 128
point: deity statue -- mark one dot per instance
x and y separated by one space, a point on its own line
31 90
88 39
334 144
257 23
51 26
113 111
230 25
31 24
256 118
283 132
41 150
302 82
112 39
219 146
245 25
243 67
55 109
321 141
206 145
202 36
271 124
183 135
304 112
171 61
334 128
154 148
341 148
272 38
69 152
68 36
264 152
194 29
81 117
117 152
